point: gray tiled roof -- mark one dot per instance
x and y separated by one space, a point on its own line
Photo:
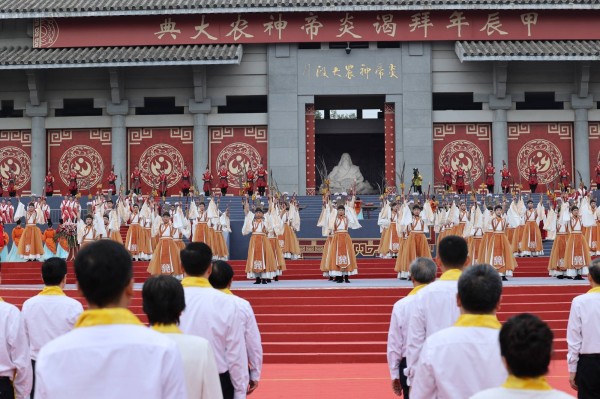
71 8
16 57
563 50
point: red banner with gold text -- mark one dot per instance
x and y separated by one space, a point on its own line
87 151
298 27
161 148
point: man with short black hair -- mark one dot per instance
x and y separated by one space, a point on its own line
214 316
583 338
461 360
422 272
164 301
51 313
221 279
15 364
434 307
526 348
109 354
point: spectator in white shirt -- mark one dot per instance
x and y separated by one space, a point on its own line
422 272
526 347
164 302
110 353
583 338
214 316
51 313
221 279
435 307
15 364
464 359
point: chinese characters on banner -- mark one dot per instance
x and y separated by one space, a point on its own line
317 27
377 71
463 146
85 151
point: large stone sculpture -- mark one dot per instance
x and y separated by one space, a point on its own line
346 176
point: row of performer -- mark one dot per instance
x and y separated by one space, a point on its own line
496 234
252 181
156 232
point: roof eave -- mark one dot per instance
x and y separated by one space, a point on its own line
243 10
123 64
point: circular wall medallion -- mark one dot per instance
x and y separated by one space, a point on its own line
544 155
238 158
15 159
87 163
161 157
462 154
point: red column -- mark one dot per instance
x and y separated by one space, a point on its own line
390 144
311 181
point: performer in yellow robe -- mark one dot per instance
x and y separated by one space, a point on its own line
261 264
31 246
498 251
531 241
165 259
341 257
577 252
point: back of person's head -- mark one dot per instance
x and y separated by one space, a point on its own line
163 299
526 345
479 289
196 258
54 271
453 252
221 275
423 270
594 271
103 270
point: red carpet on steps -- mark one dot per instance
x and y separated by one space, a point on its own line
350 325
369 268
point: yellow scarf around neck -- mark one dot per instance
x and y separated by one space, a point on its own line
416 289
451 275
199 282
106 316
478 320
166 328
52 290
533 384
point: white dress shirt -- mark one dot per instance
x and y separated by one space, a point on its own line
582 329
116 361
201 375
506 393
47 317
458 362
396 345
15 362
252 336
434 309
214 316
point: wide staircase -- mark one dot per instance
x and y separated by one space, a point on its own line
336 323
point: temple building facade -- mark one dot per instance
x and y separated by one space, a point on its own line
396 85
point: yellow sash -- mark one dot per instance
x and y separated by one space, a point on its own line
478 320
52 290
594 291
166 328
451 275
416 289
534 384
226 291
200 282
1 300
100 317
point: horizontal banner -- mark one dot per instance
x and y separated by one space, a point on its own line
316 27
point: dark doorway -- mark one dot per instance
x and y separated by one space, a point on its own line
352 125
